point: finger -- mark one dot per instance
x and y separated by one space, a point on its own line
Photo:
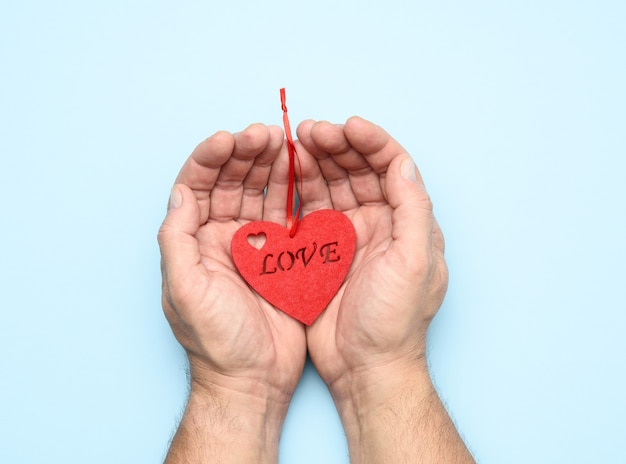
336 177
312 186
202 168
373 142
227 193
176 237
412 219
363 180
274 206
257 179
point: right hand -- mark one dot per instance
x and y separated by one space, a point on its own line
234 339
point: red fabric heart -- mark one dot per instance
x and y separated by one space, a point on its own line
301 274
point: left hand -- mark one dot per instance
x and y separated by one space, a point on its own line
398 278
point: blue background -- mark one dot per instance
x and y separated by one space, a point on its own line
513 110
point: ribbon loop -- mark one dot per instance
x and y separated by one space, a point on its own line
292 220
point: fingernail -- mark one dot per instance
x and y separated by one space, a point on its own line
176 198
407 170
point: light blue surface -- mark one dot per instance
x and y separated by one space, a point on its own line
514 111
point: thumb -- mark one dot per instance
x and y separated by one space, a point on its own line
412 219
176 237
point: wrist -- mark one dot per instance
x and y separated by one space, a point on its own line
373 402
392 413
251 386
369 388
230 421
256 407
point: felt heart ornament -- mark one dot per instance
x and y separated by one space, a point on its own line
299 275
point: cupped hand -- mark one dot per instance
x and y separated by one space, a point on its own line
398 279
234 338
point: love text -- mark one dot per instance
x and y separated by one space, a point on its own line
287 260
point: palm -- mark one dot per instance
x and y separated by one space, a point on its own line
355 310
255 334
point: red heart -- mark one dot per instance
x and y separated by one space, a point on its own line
301 274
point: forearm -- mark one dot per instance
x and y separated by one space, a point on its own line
227 427
395 415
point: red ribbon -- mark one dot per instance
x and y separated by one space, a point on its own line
292 220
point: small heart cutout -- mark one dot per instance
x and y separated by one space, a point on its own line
299 275
257 240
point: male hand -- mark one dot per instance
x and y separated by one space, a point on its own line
245 356
398 277
369 344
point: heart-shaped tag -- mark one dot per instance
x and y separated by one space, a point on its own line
300 274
